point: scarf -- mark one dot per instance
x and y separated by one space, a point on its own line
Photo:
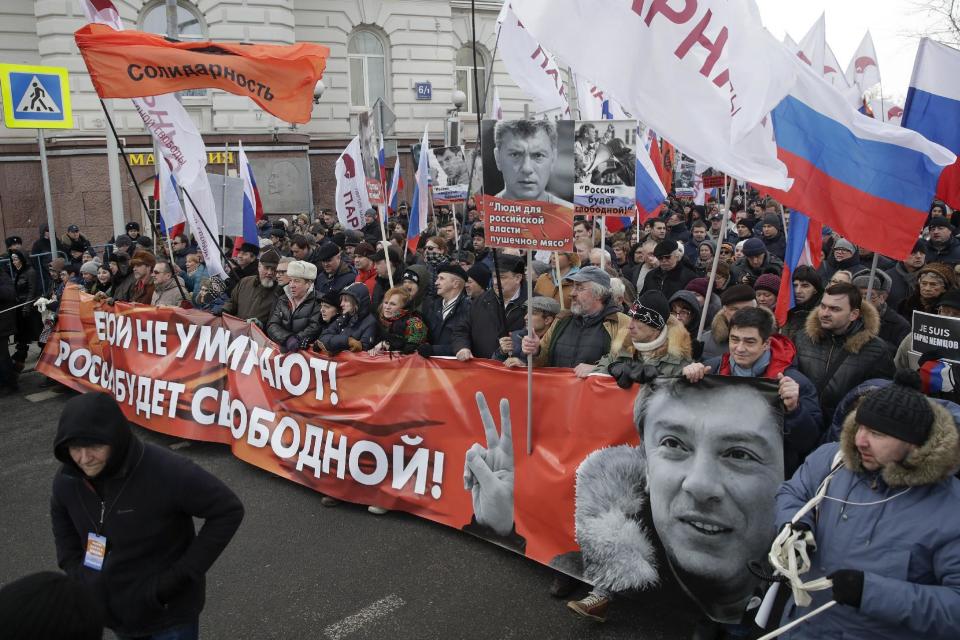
755 371
644 348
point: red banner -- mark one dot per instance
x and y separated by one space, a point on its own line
133 64
535 225
404 433
713 182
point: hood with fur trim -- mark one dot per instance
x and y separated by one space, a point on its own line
720 328
618 553
855 341
935 461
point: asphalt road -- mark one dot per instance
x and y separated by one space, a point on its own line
299 570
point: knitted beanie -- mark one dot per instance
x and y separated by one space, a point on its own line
898 410
768 282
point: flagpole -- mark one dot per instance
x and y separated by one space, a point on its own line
386 248
136 185
529 355
556 266
603 241
873 274
716 257
223 197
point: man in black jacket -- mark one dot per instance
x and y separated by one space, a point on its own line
673 274
446 310
122 514
479 336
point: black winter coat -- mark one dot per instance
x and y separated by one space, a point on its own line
442 329
303 322
948 253
483 327
143 502
360 326
668 282
867 356
8 298
343 278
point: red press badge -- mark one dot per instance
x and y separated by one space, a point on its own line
96 550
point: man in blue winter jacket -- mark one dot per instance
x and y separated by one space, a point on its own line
887 532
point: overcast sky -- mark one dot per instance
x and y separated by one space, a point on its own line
889 21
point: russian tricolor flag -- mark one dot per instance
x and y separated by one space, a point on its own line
167 195
933 107
421 197
803 247
650 190
870 181
252 206
396 186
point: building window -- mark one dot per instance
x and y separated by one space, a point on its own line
367 66
190 26
464 77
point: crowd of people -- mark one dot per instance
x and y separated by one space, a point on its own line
630 305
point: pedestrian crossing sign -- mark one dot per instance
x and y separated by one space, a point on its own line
35 97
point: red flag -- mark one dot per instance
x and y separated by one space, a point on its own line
133 64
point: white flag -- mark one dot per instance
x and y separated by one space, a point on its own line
530 65
180 143
703 76
863 70
589 99
813 46
352 199
497 105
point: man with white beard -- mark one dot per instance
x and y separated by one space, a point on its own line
255 296
594 328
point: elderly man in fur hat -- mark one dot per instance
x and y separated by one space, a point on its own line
887 533
295 321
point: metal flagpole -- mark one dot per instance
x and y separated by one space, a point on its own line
716 257
529 355
386 248
603 242
223 198
556 266
873 273
46 194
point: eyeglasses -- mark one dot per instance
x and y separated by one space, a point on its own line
279 271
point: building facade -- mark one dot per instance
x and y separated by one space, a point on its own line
407 55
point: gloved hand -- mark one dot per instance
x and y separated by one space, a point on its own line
626 373
354 345
292 343
41 304
425 350
847 587
621 373
304 343
257 322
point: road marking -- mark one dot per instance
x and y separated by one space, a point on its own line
42 395
365 616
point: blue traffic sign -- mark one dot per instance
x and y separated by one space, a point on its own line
35 97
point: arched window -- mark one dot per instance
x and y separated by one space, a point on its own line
367 66
464 76
190 26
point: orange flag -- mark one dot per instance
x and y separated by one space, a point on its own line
133 64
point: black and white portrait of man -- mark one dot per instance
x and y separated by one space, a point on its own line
529 160
694 502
